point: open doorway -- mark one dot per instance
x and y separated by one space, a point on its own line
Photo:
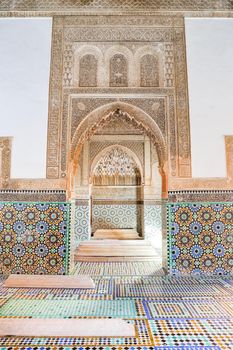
117 183
116 192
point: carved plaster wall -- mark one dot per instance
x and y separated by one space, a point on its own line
48 7
5 161
120 58
116 65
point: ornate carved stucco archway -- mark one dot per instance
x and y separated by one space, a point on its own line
99 118
124 149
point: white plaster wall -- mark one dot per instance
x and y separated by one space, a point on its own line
24 75
210 73
25 46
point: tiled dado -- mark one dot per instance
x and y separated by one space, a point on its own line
116 216
81 222
153 222
200 238
34 237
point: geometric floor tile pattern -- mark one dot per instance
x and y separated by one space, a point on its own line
119 268
186 309
178 331
150 291
169 313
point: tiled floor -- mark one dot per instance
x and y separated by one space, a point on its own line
189 313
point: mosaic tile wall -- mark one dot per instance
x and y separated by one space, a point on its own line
34 237
111 216
81 226
200 238
153 223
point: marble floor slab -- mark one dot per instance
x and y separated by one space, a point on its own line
66 327
48 281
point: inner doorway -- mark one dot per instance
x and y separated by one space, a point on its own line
116 179
118 184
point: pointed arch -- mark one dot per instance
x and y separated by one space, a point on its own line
88 51
102 115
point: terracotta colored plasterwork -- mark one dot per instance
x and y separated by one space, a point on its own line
99 120
103 116
157 106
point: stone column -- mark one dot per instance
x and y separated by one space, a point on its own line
85 167
72 236
147 161
82 224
